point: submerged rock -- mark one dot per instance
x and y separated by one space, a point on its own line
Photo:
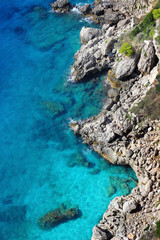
41 12
120 183
52 108
95 171
79 160
61 6
111 190
59 215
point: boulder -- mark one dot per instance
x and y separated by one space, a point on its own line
147 58
98 10
145 188
111 17
125 67
59 215
85 9
87 34
100 234
107 45
129 206
112 93
123 23
61 6
108 104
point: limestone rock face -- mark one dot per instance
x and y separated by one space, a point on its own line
130 205
147 58
87 34
61 6
145 186
107 46
92 57
125 67
99 234
112 17
86 9
129 7
98 10
120 137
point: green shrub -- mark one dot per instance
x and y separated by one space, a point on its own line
147 22
158 39
158 228
151 33
156 13
134 32
157 5
126 49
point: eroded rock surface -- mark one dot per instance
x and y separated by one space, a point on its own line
86 9
125 67
147 58
61 6
92 57
87 34
117 133
122 138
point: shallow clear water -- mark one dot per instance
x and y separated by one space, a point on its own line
37 172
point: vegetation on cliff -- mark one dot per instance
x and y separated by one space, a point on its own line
147 24
126 49
150 105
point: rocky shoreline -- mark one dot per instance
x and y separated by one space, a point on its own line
118 133
127 141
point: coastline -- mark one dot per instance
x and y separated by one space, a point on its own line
118 134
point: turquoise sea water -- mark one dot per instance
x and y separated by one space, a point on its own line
37 103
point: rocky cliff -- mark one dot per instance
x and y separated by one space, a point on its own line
127 131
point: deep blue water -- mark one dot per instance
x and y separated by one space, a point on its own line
37 146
